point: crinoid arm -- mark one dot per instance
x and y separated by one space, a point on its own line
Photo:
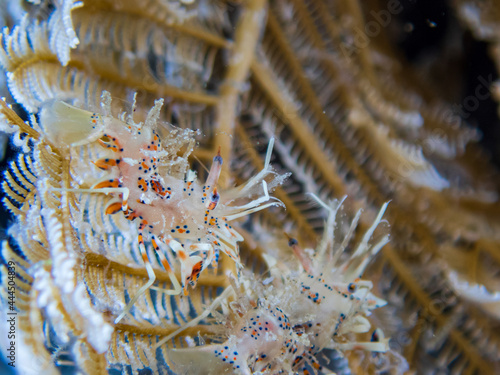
209 310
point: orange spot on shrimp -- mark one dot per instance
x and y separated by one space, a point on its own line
113 208
107 184
105 164
142 185
159 189
131 215
111 143
195 273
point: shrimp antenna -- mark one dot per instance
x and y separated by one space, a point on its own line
201 163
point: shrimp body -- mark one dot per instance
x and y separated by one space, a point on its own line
331 294
322 305
261 340
172 210
260 337
332 308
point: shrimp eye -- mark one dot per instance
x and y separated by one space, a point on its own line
351 288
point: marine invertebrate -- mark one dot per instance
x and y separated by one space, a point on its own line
190 218
283 324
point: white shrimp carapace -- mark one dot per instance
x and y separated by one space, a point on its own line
260 338
282 325
153 186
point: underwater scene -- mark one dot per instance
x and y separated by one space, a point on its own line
250 187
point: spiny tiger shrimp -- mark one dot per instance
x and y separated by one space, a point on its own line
260 338
282 325
190 218
330 291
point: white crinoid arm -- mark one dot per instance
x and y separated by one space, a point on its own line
63 36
